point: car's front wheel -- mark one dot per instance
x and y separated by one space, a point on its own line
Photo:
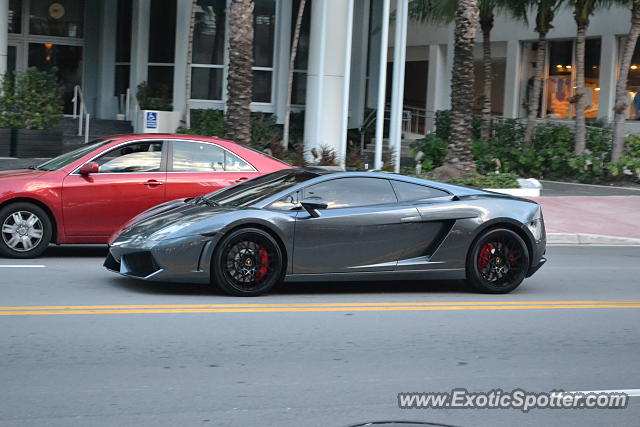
26 230
247 262
498 261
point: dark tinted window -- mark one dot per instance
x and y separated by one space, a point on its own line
350 192
408 192
257 189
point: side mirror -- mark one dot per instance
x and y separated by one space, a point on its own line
89 168
313 204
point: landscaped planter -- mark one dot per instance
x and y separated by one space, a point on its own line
37 143
151 121
530 187
5 142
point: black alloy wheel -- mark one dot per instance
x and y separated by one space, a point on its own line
497 262
247 262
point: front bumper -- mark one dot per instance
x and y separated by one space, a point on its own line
184 259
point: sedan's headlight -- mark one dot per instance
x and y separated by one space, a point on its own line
535 226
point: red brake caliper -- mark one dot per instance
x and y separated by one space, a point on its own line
512 259
484 256
264 264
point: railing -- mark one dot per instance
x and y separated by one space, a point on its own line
124 101
80 113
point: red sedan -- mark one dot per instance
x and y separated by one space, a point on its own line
87 194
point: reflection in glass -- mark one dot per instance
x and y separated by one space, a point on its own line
264 24
140 157
15 16
208 33
59 19
261 86
206 83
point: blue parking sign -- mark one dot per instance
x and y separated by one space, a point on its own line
152 120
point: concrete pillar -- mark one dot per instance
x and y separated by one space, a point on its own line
326 95
446 89
107 105
513 79
608 76
139 43
397 93
183 20
357 92
284 28
4 35
437 84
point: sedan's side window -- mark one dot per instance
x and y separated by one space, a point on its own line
197 157
192 156
408 192
352 192
137 157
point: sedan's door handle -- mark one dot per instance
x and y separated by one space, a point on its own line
411 219
244 178
153 183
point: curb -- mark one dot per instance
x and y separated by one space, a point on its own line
589 239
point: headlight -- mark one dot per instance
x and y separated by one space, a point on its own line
535 226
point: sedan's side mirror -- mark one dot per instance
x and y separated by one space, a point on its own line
89 168
313 204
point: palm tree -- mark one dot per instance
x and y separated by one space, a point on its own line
621 103
462 79
237 123
545 12
292 62
582 11
444 11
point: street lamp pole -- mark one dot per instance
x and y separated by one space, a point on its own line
4 36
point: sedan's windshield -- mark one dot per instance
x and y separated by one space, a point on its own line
258 189
70 157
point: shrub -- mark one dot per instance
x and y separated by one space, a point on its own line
154 98
434 149
494 180
207 122
32 100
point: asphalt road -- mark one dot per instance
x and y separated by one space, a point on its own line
191 356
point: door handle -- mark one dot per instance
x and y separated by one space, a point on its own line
244 178
411 219
153 183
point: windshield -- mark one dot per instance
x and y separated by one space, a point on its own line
253 191
70 157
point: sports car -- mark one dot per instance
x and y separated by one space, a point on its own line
317 225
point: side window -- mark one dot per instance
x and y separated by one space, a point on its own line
351 192
408 192
286 203
233 163
137 157
191 156
197 157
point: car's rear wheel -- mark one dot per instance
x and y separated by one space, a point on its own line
498 261
247 262
26 230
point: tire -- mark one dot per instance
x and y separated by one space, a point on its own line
247 262
25 230
487 270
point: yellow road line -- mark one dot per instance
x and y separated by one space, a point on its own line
295 305
314 309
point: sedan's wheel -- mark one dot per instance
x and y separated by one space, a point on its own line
498 262
26 230
248 262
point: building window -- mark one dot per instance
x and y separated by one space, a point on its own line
15 16
162 46
633 83
123 46
207 70
561 81
264 26
299 92
59 19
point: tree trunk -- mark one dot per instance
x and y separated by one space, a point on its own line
622 97
581 124
485 132
187 83
460 155
292 63
534 99
237 126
